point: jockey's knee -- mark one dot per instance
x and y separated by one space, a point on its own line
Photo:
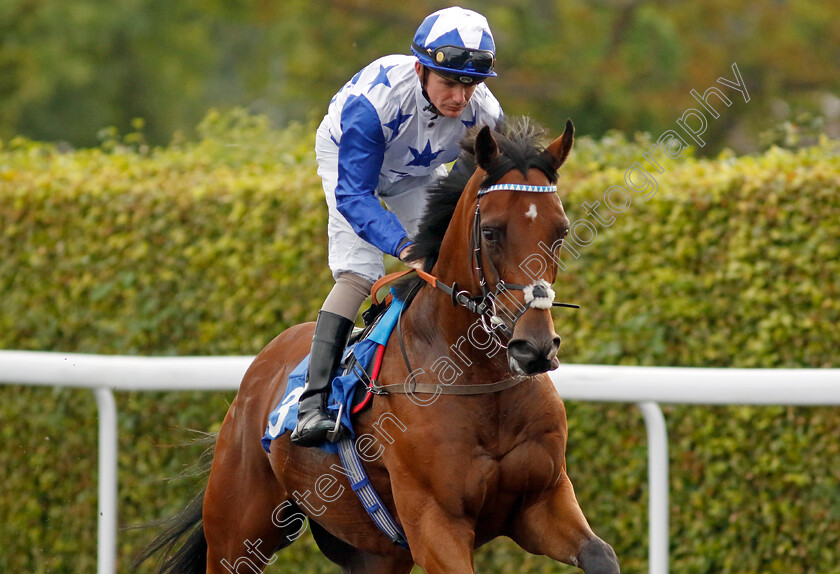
347 295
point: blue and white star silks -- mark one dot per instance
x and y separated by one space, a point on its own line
381 77
395 124
385 133
425 157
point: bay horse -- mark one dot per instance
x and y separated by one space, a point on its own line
455 469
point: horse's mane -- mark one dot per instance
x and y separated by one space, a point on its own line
519 148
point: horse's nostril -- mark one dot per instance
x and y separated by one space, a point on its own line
523 351
530 359
526 350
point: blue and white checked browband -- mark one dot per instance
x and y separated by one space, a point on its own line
518 187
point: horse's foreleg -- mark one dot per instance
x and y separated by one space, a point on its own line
364 563
554 525
440 543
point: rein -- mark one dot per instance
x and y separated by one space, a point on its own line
437 388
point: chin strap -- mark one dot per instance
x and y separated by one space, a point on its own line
431 107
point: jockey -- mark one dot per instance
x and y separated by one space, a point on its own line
386 137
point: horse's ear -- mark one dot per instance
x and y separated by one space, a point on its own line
486 148
559 149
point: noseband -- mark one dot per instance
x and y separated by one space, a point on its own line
538 295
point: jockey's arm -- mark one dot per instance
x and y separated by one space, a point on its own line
361 153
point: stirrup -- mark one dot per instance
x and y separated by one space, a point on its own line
338 431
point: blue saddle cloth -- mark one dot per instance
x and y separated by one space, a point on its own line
284 417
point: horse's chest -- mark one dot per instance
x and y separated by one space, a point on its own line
531 466
494 483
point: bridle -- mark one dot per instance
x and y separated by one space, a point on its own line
538 294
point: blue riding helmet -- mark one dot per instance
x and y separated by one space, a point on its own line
457 43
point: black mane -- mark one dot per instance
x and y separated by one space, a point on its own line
519 148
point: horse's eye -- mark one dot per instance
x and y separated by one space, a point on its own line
563 231
491 234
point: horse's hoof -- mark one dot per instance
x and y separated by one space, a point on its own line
598 557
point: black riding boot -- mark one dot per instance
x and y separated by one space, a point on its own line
328 342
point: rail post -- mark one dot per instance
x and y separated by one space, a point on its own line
657 434
106 559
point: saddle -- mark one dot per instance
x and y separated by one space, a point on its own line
351 387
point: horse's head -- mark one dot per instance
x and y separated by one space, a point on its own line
498 236
518 224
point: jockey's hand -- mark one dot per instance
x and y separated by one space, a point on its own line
416 264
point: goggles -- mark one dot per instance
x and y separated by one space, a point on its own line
457 58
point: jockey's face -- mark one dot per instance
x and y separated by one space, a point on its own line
449 96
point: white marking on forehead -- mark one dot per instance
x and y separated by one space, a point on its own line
532 212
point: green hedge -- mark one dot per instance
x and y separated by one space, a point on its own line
214 246
194 249
731 263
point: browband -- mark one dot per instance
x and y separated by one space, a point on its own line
518 187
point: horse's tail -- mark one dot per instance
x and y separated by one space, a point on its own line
191 557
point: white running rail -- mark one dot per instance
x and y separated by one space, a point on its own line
644 386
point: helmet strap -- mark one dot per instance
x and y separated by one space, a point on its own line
423 79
